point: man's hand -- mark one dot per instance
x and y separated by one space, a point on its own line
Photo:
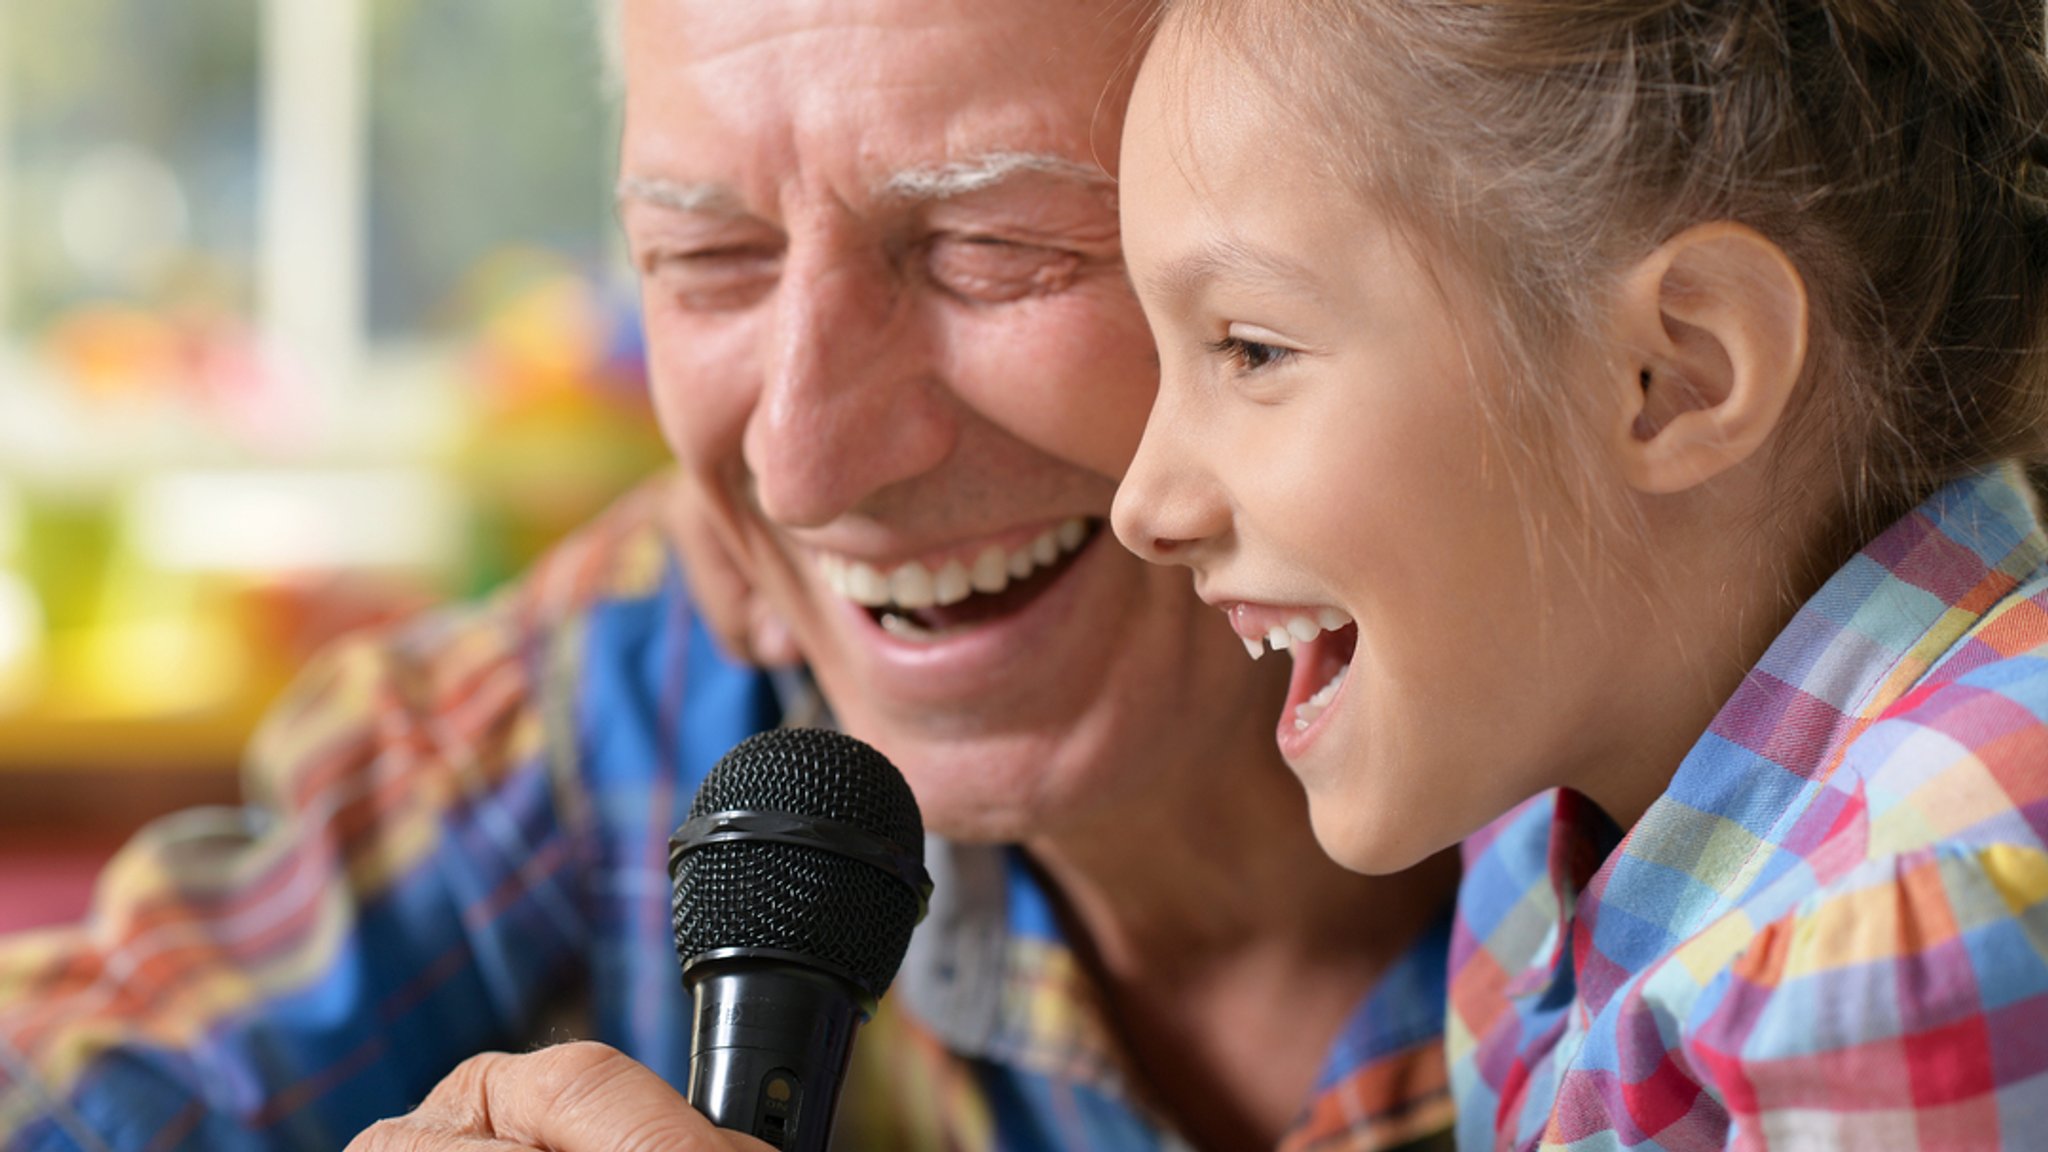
571 1098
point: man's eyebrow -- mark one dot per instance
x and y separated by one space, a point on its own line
960 177
704 197
1185 276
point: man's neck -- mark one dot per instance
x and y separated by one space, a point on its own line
1230 949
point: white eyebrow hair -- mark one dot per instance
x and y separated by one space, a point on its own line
935 183
681 197
978 172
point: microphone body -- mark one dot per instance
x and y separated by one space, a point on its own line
770 1047
798 878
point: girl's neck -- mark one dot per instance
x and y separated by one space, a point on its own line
1723 590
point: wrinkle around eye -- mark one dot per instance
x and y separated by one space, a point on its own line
715 280
992 270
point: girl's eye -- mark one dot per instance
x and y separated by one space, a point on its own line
1249 355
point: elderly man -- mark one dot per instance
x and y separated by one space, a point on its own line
898 360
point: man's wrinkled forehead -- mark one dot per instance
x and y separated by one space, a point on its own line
935 90
718 25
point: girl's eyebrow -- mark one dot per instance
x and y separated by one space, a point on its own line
1185 276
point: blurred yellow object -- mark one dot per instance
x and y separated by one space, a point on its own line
537 329
544 342
164 644
21 642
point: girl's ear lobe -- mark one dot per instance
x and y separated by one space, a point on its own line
1709 344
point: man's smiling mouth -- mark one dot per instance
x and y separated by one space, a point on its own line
924 600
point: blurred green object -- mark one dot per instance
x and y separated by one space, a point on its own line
68 540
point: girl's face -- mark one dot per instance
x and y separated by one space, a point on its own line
1318 456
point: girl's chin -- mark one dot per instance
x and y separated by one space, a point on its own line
1375 848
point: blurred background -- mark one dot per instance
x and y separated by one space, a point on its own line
311 314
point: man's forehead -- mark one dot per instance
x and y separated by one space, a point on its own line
882 110
719 25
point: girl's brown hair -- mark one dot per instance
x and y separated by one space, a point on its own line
1892 148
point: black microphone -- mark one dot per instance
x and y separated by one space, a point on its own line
799 875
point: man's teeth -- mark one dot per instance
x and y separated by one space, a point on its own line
1297 630
913 585
1305 713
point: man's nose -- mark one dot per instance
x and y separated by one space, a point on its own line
852 401
1168 504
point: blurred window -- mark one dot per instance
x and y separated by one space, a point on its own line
487 128
310 312
131 132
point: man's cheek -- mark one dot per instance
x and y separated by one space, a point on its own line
702 412
1079 389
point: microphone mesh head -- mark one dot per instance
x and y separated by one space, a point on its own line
794 898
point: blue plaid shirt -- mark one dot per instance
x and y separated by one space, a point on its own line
456 841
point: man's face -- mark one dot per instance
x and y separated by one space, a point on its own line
891 335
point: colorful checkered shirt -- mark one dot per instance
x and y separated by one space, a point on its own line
1831 931
456 841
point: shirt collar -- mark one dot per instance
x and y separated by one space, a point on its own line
990 974
1872 631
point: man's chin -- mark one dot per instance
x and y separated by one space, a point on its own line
986 788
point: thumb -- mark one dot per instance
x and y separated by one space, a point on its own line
581 1097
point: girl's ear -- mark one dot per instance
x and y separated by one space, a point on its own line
1710 341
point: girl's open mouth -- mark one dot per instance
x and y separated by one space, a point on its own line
1320 665
1321 641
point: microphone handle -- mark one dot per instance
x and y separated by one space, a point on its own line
770 1045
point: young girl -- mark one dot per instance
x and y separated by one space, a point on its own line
1614 407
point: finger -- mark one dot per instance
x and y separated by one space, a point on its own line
581 1097
407 1134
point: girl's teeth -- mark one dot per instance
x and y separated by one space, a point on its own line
1297 631
1305 713
914 585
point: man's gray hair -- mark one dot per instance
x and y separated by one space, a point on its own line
611 47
